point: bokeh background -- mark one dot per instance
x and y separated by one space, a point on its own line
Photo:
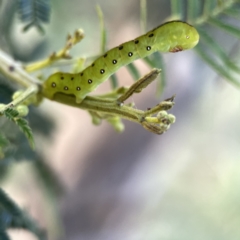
134 185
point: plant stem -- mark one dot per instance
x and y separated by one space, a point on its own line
15 72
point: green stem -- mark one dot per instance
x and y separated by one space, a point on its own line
112 108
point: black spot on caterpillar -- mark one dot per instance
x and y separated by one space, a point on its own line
169 37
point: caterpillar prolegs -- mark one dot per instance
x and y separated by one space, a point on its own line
172 36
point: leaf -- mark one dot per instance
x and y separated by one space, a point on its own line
224 26
34 12
3 141
208 7
218 68
177 8
232 12
208 12
216 48
12 114
143 16
102 30
193 9
133 71
23 125
156 60
114 81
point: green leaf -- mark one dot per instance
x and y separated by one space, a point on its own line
102 29
224 26
31 24
232 12
23 125
114 81
143 16
208 12
34 12
208 6
12 114
156 61
177 9
193 9
3 141
216 48
218 68
133 71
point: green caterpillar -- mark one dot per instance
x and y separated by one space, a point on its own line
172 36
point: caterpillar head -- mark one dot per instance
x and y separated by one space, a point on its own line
178 36
184 36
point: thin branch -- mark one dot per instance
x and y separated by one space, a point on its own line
61 54
14 71
124 111
139 85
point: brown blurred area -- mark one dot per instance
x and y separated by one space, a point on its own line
136 185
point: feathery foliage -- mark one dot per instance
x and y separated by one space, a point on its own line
3 143
208 16
12 115
34 13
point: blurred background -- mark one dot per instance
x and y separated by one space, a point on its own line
134 185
